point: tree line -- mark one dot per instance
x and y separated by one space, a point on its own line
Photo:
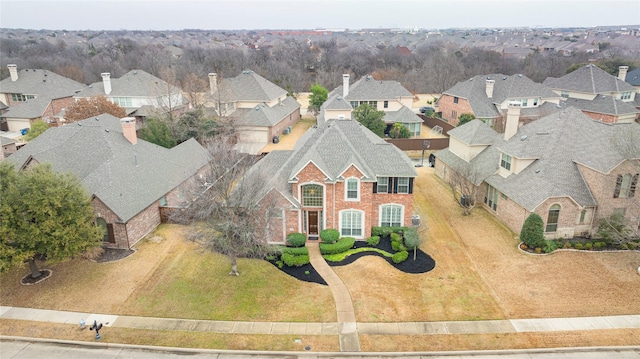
293 65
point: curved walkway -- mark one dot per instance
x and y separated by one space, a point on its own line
347 328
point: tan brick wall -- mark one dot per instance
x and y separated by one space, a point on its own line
119 230
446 105
568 219
143 223
289 120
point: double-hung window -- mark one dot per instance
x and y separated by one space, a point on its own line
352 189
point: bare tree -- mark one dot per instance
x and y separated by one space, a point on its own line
464 186
230 215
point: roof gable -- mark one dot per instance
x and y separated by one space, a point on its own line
369 89
249 86
43 83
589 79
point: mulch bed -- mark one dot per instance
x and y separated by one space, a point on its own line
113 254
29 280
423 263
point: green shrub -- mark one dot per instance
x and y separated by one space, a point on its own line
632 245
400 257
296 251
329 235
295 261
623 246
588 246
398 246
386 231
373 240
280 264
538 250
550 246
599 245
296 239
342 245
578 245
411 238
567 245
532 233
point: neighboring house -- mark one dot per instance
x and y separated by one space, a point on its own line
388 96
8 147
633 79
129 180
342 176
260 109
34 94
487 98
138 92
591 83
567 168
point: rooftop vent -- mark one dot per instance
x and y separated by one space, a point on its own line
523 137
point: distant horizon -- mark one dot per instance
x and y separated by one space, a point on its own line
308 15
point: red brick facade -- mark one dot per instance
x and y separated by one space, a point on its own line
334 201
451 110
289 120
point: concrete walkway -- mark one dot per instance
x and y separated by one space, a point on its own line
347 328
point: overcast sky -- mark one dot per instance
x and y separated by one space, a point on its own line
312 14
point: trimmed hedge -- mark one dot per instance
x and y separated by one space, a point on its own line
329 235
296 239
373 240
342 245
386 231
295 261
296 251
400 257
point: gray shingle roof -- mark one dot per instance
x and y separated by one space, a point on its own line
264 115
249 86
33 108
403 115
127 178
589 79
368 89
604 104
135 83
333 146
505 87
43 83
557 143
475 132
6 141
633 77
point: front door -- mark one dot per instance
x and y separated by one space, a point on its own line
313 224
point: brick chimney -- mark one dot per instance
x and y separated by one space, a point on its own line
129 129
13 71
513 119
213 82
106 81
345 85
489 88
622 72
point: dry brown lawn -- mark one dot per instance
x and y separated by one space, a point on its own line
480 274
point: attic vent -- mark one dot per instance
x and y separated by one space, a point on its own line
504 78
519 75
97 119
257 108
523 137
79 124
135 72
339 97
106 130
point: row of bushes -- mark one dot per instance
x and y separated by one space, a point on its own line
342 245
551 245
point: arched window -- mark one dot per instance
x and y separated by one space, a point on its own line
312 195
351 223
391 215
552 218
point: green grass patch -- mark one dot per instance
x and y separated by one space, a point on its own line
341 256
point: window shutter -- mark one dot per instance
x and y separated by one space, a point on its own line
395 184
410 185
616 192
634 184
375 187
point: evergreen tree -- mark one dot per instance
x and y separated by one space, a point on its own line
371 118
532 233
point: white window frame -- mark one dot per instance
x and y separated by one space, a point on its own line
359 221
347 190
394 209
506 161
403 185
386 185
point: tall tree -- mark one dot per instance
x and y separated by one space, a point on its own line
43 214
37 128
318 97
156 131
229 215
464 118
371 118
94 106
532 232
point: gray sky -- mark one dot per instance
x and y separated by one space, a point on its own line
312 14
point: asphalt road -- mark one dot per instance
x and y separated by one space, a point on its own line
10 349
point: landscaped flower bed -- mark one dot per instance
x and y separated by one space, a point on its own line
581 243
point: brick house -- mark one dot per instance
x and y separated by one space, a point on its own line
600 95
129 180
567 168
388 96
33 94
260 109
341 175
487 98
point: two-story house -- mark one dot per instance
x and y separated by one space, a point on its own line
567 168
342 176
600 95
129 180
260 110
388 96
487 98
32 94
138 92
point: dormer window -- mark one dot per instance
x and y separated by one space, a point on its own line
626 95
505 161
524 102
535 101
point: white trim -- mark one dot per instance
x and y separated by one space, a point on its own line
391 204
362 215
346 189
